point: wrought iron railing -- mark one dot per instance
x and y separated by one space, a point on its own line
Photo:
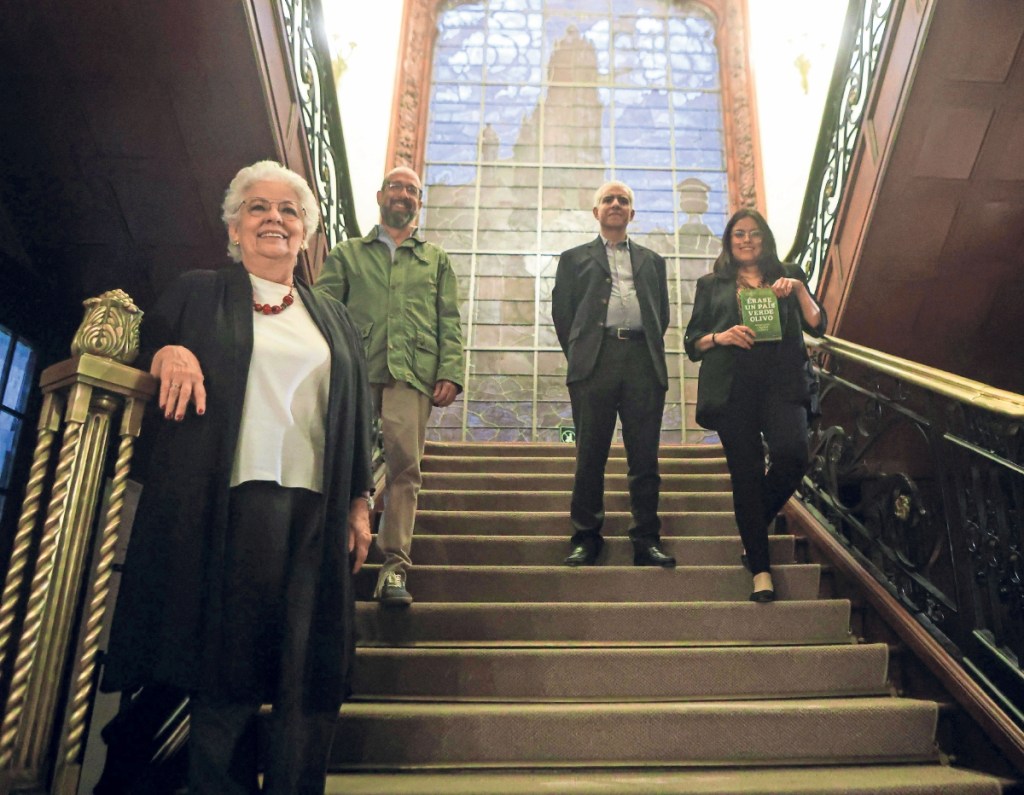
920 473
310 58
857 60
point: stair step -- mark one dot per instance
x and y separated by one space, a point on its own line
557 450
499 482
564 464
618 674
805 731
607 623
860 780
512 673
524 522
440 550
557 583
520 500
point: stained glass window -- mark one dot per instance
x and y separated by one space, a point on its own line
17 369
534 104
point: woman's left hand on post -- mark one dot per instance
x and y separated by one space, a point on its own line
181 381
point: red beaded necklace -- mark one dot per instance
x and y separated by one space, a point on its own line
271 309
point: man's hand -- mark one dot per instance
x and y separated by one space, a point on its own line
444 393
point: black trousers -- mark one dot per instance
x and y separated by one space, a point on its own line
623 385
274 553
759 414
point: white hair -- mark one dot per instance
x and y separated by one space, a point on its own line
272 171
604 189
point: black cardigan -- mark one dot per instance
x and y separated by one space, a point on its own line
167 627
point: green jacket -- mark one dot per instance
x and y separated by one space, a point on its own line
407 310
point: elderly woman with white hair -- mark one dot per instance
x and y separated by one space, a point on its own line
254 515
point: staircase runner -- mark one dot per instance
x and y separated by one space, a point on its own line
512 673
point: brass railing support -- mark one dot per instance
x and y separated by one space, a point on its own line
68 763
49 423
53 675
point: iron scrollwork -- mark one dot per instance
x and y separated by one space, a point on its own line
927 491
318 100
856 63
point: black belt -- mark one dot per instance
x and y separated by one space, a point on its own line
625 333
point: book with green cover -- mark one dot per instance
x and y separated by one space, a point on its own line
760 311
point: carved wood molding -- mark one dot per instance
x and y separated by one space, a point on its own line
412 84
743 156
739 107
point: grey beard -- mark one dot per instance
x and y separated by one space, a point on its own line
396 219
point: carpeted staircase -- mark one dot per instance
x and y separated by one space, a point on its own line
514 674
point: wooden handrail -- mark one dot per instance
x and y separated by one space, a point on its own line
959 388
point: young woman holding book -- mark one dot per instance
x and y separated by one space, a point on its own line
753 391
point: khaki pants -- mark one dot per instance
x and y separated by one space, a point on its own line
404 412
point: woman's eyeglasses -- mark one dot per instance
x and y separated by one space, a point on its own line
743 234
258 208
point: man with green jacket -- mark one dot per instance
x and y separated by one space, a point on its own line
402 295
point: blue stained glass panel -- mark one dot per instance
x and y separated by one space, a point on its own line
641 157
684 80
690 101
447 174
456 96
445 134
453 151
699 158
700 139
505 99
698 120
571 6
516 5
661 198
5 345
623 7
10 428
19 378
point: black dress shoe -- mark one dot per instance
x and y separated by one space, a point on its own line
763 597
583 555
651 555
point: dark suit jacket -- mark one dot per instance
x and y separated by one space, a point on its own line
579 305
714 310
167 626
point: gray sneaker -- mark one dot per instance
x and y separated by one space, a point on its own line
393 592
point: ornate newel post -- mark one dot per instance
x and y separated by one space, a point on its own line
69 558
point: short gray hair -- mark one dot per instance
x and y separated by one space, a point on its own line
601 191
273 171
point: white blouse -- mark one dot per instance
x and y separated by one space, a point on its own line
285 409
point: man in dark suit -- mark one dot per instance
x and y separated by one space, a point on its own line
610 310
